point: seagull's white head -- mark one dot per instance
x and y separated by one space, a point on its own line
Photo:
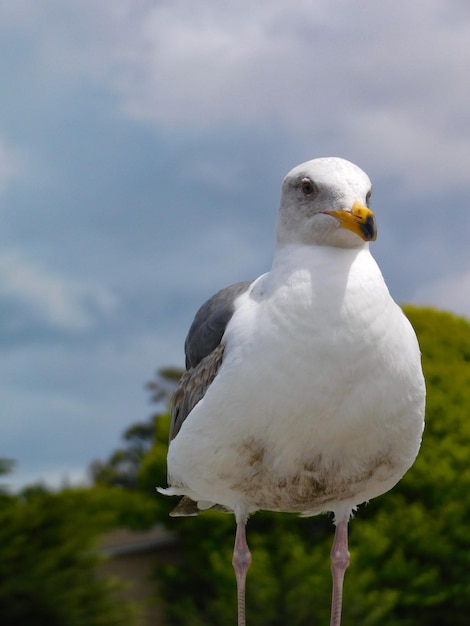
325 202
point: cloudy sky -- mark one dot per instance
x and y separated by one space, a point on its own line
142 148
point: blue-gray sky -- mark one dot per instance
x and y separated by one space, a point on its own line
142 148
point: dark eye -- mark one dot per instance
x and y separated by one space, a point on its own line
307 186
369 193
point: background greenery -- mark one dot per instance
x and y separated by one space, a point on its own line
410 549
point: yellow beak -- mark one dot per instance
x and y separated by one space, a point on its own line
360 220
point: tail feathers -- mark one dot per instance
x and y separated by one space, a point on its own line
185 508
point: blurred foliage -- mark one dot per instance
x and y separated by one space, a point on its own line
49 558
410 549
49 542
6 467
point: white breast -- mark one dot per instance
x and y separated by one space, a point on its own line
320 397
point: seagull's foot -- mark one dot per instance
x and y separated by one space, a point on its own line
241 562
339 565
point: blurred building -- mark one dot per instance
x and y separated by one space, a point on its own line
133 557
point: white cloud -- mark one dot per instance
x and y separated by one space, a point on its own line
451 293
427 156
393 80
389 80
59 302
233 63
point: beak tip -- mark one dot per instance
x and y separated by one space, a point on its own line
369 228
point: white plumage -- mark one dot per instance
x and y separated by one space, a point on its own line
314 398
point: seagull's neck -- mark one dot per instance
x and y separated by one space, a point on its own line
311 283
321 274
293 258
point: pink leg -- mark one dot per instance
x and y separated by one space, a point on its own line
241 562
339 565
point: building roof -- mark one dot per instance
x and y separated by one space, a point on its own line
126 541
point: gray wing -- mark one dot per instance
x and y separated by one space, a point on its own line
210 322
192 387
204 352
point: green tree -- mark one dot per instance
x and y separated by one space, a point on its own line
49 559
6 467
122 466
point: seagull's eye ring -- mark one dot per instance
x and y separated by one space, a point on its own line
307 186
368 195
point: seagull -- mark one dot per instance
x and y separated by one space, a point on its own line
303 389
